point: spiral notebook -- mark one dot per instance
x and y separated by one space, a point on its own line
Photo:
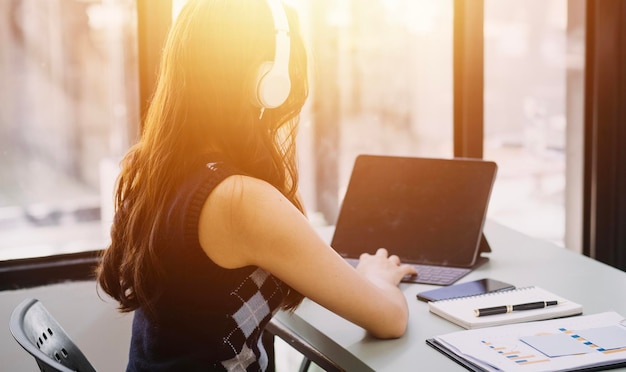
461 310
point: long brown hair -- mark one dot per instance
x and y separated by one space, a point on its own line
202 102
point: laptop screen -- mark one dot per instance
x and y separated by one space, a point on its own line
425 210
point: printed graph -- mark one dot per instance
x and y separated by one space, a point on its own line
577 337
516 354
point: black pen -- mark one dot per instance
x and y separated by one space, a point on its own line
510 308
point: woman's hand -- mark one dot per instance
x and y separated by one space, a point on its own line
381 268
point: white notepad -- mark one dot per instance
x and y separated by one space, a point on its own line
461 310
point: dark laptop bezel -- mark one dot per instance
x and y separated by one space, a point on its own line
355 202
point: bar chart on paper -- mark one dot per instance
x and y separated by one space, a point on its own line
559 344
605 340
516 354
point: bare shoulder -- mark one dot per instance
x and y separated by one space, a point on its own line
240 190
241 217
248 222
249 201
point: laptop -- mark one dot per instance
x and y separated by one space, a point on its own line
428 211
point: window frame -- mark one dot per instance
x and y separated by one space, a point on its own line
605 137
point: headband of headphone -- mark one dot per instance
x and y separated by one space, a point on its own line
272 85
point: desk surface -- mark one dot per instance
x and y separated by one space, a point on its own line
516 259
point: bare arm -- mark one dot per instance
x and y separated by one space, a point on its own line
248 222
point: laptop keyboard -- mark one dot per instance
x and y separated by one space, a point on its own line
426 274
437 275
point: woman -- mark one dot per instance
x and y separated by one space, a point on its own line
210 237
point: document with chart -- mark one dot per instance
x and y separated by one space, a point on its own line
582 342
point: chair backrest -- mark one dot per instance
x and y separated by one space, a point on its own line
36 330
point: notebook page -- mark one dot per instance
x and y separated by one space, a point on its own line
461 310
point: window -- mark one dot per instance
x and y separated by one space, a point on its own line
69 109
529 60
382 84
381 76
384 70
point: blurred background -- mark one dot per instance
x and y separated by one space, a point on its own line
70 107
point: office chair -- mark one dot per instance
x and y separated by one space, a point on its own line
36 330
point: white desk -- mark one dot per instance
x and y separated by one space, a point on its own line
516 259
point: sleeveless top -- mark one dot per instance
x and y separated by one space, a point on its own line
208 318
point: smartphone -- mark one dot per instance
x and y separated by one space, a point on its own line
473 288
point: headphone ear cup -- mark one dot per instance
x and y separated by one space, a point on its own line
272 87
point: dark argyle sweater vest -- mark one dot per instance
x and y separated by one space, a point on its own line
208 318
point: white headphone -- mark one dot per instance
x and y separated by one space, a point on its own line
272 84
